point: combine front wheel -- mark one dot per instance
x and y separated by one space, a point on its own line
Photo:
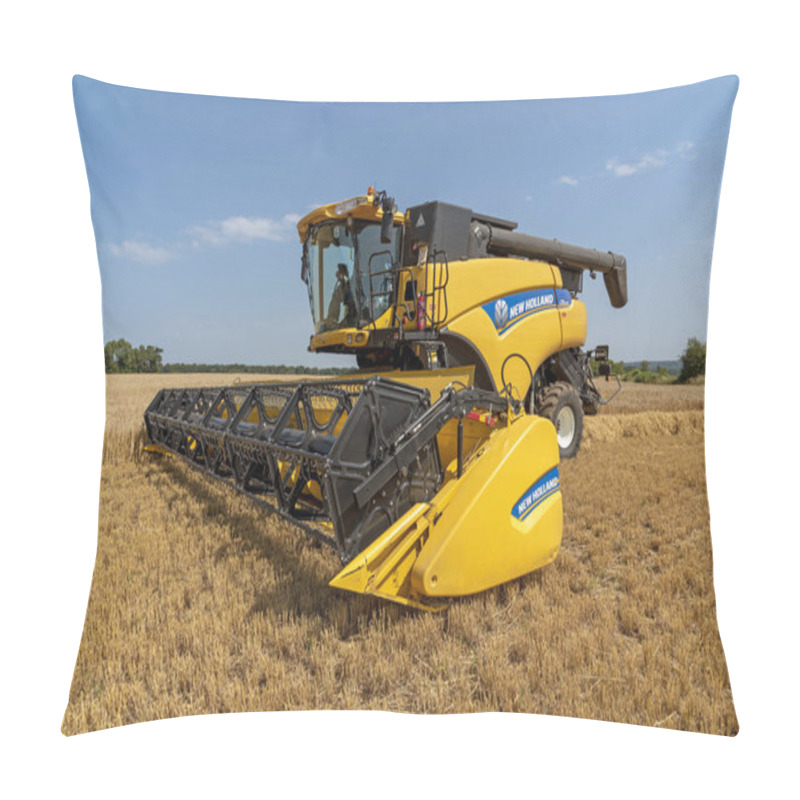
561 404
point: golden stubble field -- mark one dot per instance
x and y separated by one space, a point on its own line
202 603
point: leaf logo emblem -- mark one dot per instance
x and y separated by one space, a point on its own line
500 314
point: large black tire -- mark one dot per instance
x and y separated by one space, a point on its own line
561 404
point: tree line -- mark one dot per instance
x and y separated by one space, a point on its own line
268 369
693 365
121 356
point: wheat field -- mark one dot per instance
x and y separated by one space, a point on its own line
203 603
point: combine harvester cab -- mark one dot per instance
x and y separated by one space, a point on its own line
421 501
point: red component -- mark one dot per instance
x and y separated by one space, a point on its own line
488 418
421 312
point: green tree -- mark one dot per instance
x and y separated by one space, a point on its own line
121 356
117 355
147 358
693 360
645 366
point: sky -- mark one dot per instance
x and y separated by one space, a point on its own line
195 200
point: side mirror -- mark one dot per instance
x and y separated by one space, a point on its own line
604 369
601 353
387 222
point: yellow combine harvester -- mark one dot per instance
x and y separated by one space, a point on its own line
433 471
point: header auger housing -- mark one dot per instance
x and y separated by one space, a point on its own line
433 471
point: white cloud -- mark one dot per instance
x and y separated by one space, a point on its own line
141 251
622 169
245 229
654 160
232 229
567 180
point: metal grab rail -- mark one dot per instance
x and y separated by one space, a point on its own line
434 285
436 318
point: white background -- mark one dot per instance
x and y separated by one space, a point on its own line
52 393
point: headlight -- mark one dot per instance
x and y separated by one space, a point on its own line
349 205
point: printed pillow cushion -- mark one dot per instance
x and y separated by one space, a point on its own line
219 221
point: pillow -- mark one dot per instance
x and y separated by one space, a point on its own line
518 497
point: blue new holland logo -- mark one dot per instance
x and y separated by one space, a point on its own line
507 311
546 486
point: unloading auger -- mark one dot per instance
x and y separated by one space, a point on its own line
421 500
433 470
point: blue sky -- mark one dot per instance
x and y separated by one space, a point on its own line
195 201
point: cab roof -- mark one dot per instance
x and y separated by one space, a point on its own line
359 207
